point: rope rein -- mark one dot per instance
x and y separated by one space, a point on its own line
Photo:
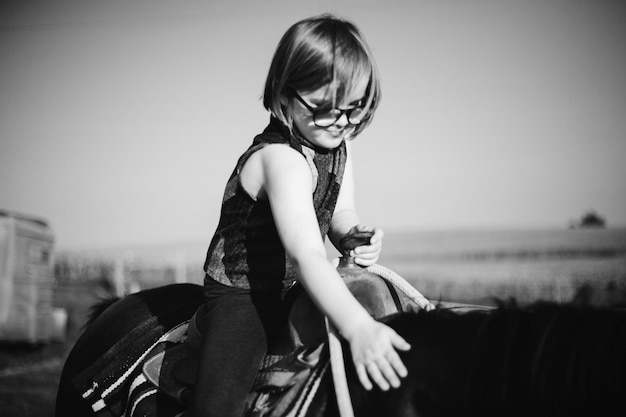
403 285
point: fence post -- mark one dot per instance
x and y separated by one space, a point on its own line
118 276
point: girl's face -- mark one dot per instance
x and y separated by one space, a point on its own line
325 137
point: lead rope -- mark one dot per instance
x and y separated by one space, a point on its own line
342 392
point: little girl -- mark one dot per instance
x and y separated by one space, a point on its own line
293 187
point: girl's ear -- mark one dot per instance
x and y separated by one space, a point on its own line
285 105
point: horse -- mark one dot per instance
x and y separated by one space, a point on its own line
542 359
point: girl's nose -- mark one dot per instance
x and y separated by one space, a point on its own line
342 121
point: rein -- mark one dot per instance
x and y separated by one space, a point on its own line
342 392
402 284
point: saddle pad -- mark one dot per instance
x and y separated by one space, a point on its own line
107 382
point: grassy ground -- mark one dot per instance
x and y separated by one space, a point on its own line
32 393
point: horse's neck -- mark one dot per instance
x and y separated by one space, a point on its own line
551 361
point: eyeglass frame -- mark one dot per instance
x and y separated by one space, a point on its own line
316 111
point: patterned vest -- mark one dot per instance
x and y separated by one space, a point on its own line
246 251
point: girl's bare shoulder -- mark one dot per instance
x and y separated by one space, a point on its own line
270 163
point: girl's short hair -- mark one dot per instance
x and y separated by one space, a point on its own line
316 52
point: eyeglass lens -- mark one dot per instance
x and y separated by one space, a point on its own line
326 118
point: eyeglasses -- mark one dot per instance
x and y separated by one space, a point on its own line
328 117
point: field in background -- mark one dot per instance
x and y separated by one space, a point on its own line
529 265
469 266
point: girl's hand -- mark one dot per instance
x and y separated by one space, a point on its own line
374 354
367 255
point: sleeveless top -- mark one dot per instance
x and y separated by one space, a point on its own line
246 251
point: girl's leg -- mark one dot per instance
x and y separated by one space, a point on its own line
233 346
236 326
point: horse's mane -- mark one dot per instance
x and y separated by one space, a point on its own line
541 359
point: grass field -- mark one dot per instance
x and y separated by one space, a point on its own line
479 266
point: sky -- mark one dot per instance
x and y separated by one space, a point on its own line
120 122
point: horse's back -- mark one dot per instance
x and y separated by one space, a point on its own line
169 304
126 313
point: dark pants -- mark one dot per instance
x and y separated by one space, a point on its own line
236 325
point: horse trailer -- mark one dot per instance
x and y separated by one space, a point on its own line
26 281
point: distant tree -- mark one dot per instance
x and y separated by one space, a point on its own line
592 219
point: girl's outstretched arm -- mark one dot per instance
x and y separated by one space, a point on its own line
285 179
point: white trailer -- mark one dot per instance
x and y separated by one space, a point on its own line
27 280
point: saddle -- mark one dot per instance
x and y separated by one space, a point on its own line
285 385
